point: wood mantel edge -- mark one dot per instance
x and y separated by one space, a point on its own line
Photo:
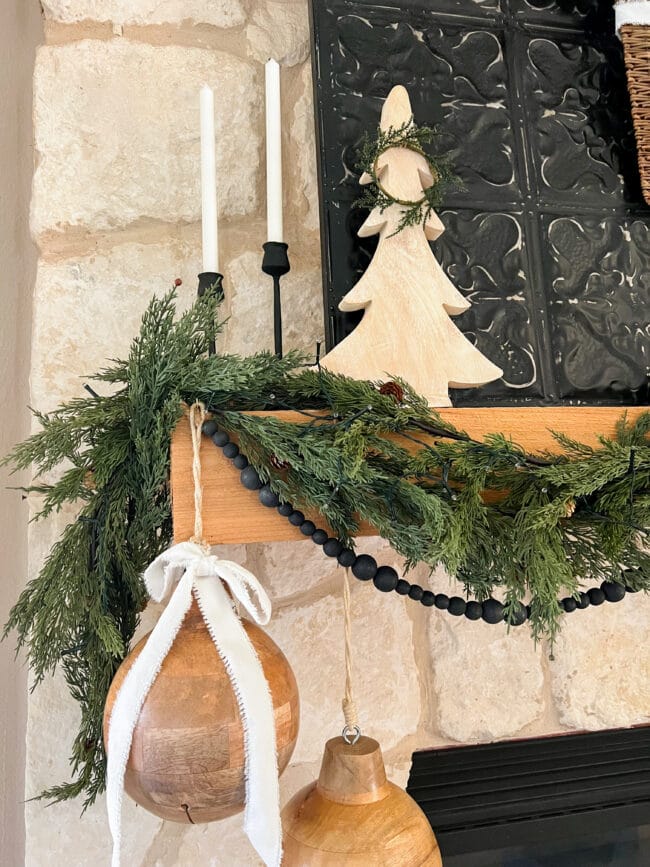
232 514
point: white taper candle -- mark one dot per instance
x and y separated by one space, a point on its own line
273 153
209 183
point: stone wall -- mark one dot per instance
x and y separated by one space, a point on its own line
115 213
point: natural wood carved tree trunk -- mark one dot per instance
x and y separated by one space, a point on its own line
406 297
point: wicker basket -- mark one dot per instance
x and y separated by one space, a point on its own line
636 42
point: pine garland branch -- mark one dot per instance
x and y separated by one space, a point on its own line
550 522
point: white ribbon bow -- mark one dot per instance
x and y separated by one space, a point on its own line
190 568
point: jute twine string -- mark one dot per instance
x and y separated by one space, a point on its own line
197 416
352 730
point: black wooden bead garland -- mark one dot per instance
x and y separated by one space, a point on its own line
385 578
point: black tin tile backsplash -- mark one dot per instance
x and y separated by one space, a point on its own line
549 239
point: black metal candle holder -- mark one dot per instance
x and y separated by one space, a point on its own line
209 280
276 263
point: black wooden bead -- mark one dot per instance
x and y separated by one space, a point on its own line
428 598
220 438
332 548
346 558
230 450
240 461
364 567
416 592
613 592
569 604
250 479
519 614
473 610
308 528
385 579
584 601
441 601
319 537
403 587
457 606
296 518
285 509
596 596
209 427
268 497
492 611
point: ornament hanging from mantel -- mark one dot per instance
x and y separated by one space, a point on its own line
187 757
202 715
406 297
352 815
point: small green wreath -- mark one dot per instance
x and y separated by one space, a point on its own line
412 137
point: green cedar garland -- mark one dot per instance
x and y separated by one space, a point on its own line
563 520
375 195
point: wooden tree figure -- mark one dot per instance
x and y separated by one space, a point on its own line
406 297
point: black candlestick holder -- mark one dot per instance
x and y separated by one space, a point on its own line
276 263
210 280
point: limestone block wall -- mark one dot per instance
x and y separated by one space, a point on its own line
115 214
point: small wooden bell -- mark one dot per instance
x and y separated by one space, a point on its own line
354 816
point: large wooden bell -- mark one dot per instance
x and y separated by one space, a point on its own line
187 756
354 816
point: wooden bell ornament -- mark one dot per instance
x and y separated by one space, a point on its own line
190 714
354 816
187 755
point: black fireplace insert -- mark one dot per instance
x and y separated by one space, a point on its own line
575 800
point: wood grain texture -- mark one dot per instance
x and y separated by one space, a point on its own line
187 756
354 816
231 514
406 296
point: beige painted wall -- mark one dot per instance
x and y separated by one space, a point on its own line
115 212
20 32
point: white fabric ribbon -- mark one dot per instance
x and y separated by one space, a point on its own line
632 12
190 568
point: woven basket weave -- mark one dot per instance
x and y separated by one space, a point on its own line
636 43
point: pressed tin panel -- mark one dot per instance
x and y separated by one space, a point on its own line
549 236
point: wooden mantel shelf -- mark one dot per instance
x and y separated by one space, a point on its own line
232 514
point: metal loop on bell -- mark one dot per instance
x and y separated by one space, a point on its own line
351 734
